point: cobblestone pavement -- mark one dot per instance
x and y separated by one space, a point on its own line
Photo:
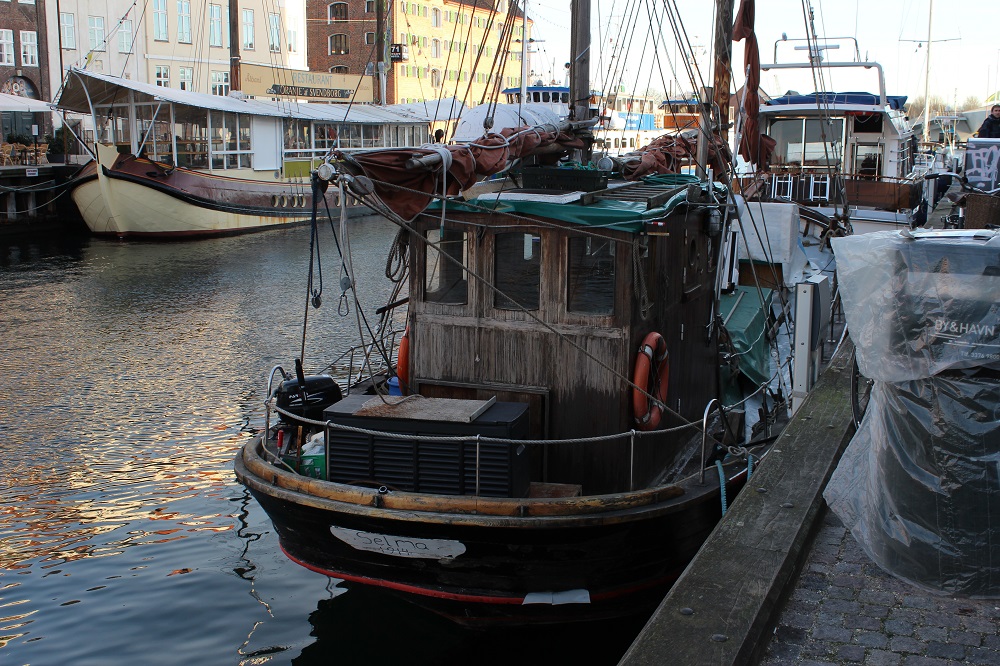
846 610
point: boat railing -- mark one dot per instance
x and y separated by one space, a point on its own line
822 187
365 360
629 438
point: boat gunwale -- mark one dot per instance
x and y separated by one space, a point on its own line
256 473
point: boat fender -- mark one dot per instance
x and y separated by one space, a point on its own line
403 362
651 377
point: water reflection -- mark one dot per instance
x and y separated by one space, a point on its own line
133 373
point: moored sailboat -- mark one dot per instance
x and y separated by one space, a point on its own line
172 163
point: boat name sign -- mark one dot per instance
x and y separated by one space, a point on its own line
399 546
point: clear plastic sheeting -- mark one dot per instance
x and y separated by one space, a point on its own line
921 303
919 485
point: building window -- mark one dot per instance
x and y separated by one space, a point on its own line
339 45
6 47
370 7
435 78
220 81
436 17
67 30
184 21
125 36
336 11
95 29
369 38
215 25
435 48
163 76
29 48
339 69
274 33
160 20
185 76
293 41
248 30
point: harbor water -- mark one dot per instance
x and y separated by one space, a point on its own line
132 373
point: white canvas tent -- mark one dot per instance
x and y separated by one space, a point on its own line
23 104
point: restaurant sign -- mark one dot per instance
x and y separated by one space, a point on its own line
263 81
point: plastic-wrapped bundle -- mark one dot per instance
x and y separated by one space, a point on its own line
922 303
919 485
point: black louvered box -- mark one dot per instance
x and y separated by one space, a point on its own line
446 468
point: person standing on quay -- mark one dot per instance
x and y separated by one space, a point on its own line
990 129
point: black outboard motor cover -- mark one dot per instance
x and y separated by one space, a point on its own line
321 392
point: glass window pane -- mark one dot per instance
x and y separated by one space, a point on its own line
518 270
788 137
445 279
591 276
815 153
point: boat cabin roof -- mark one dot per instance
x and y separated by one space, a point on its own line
895 102
83 88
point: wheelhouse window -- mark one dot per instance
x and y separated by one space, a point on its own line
447 258
591 288
518 270
801 142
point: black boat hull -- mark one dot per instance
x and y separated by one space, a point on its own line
490 569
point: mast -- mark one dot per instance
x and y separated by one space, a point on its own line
524 51
234 44
722 71
927 78
579 73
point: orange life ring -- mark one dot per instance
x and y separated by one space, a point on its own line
403 362
651 377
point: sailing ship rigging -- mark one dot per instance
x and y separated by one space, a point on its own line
572 383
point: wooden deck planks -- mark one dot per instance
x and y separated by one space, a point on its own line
736 583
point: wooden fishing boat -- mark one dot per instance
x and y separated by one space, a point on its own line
572 384
547 462
174 163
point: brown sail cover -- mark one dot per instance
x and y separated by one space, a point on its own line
755 147
667 154
407 191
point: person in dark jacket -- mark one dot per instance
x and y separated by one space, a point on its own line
990 128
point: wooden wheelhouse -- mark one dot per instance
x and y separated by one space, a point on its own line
552 312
